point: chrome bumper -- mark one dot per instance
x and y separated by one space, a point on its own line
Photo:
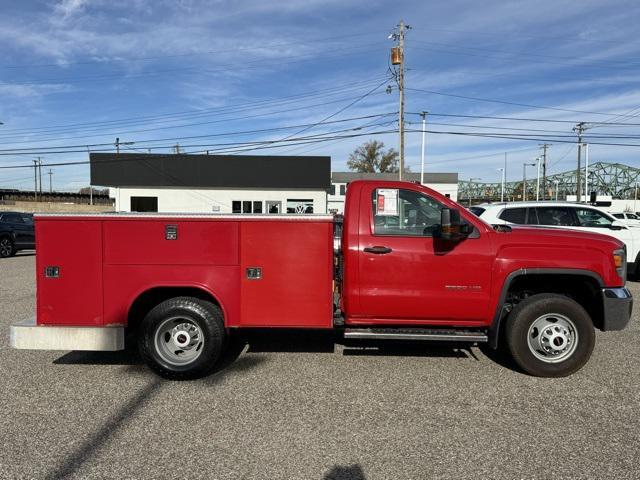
618 304
29 335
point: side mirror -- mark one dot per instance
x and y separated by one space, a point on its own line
618 225
451 228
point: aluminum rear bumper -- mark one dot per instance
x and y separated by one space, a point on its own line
28 335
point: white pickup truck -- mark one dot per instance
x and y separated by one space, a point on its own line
574 216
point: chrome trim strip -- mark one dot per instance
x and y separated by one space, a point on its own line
367 335
29 336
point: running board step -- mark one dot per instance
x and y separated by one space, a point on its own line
431 334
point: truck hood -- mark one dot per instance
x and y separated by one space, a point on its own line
557 248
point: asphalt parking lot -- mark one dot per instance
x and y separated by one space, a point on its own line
304 408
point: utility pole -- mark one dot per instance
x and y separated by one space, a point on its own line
579 129
424 126
524 179
544 147
118 143
397 58
35 179
50 181
538 181
40 176
586 172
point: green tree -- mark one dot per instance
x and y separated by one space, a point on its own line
372 157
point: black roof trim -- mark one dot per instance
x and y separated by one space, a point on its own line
209 171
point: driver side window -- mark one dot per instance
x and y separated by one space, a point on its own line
592 218
404 212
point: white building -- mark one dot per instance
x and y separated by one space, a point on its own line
176 183
444 183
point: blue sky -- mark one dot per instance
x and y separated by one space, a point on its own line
83 72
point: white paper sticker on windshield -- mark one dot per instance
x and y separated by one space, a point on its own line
387 201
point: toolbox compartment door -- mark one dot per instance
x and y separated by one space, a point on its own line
286 274
69 272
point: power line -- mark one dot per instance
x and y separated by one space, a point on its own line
545 120
334 90
492 100
83 147
211 122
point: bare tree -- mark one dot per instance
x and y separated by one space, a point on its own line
372 157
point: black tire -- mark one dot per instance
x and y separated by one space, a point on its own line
7 247
157 349
522 319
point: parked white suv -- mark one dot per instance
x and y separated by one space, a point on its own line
565 215
626 217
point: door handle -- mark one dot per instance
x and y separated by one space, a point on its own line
378 250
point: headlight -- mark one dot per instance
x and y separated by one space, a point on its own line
620 261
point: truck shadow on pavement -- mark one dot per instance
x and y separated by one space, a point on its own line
303 341
87 450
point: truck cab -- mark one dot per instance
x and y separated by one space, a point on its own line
411 265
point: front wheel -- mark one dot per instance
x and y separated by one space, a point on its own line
550 335
7 248
182 338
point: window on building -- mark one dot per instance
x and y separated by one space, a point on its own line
246 206
144 204
295 205
343 189
332 190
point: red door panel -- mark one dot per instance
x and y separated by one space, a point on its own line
420 279
295 284
75 296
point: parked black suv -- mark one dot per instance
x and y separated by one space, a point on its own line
16 233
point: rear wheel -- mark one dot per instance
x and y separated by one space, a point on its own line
7 248
182 338
550 335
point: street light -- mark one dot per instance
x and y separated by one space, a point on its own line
503 181
424 125
524 179
470 181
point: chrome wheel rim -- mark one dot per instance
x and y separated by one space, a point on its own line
5 247
552 338
179 341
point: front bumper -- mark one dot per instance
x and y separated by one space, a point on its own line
29 335
618 304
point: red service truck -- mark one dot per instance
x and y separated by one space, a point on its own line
404 263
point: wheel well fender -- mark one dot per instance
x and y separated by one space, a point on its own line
584 286
151 297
